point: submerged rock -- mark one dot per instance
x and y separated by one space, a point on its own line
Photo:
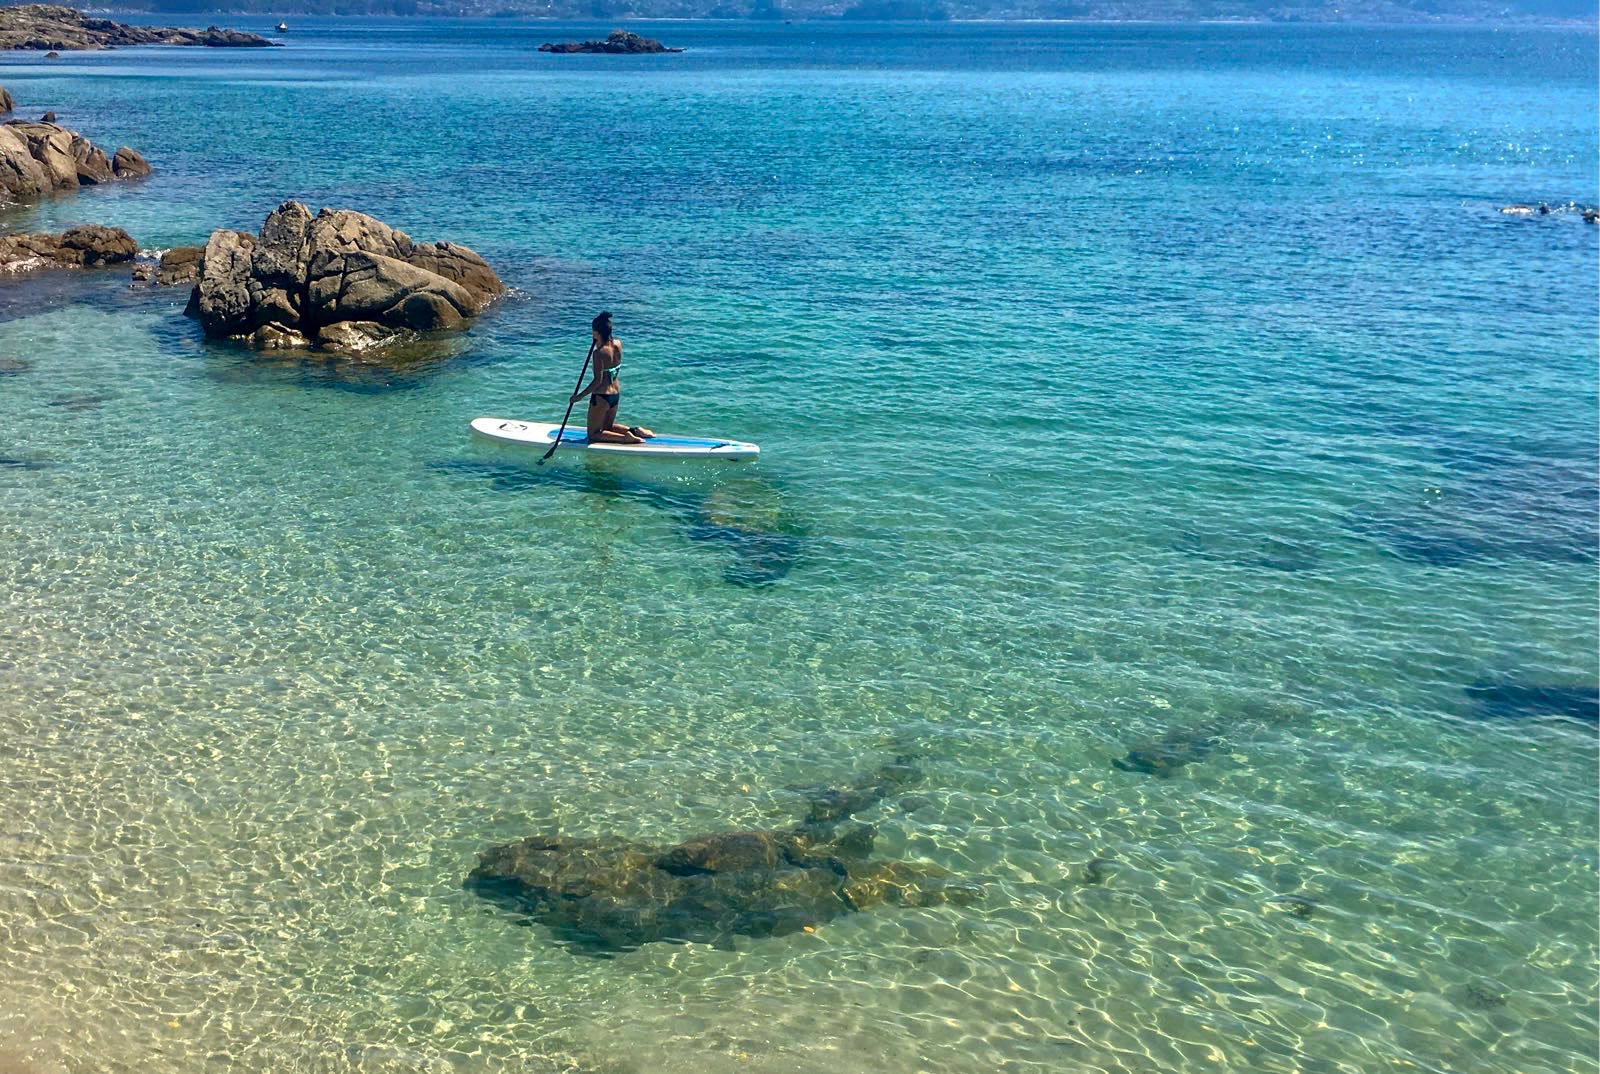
89 246
81 401
49 27
1510 700
751 523
304 276
1168 754
618 41
1482 996
611 895
1301 906
1096 870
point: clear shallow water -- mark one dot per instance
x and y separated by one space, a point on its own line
1263 426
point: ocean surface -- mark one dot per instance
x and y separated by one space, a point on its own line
1174 396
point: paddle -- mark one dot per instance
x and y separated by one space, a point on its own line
570 404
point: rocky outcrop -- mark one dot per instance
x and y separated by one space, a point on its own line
48 27
89 246
604 895
43 158
129 164
617 41
1589 213
340 280
181 264
7 102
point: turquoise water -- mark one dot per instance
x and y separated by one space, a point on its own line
1113 383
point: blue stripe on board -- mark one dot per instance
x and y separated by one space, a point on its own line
661 441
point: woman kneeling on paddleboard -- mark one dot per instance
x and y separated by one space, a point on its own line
605 390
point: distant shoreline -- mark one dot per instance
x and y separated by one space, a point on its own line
1528 22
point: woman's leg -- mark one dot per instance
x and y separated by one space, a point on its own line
603 428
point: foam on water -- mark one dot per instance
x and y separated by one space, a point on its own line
1261 443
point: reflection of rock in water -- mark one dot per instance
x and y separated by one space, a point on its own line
747 519
1169 753
613 896
1509 700
403 367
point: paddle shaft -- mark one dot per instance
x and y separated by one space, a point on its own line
570 403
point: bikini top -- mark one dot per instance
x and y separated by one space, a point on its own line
611 374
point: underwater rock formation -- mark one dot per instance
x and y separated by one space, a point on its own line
762 538
1498 504
1510 700
618 41
609 895
1169 753
43 27
303 277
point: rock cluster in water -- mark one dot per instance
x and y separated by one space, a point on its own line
612 895
339 280
49 27
89 246
181 264
620 41
1589 213
43 158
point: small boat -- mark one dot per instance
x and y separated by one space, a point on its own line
283 27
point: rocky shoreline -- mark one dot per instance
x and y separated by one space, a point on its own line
51 28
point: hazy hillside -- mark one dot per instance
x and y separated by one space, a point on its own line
1401 11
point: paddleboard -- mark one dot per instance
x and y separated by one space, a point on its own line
539 435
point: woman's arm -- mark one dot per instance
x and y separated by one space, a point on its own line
593 384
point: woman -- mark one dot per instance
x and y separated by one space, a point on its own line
605 390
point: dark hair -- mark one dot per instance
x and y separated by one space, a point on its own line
602 325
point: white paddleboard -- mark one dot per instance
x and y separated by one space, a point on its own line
539 435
